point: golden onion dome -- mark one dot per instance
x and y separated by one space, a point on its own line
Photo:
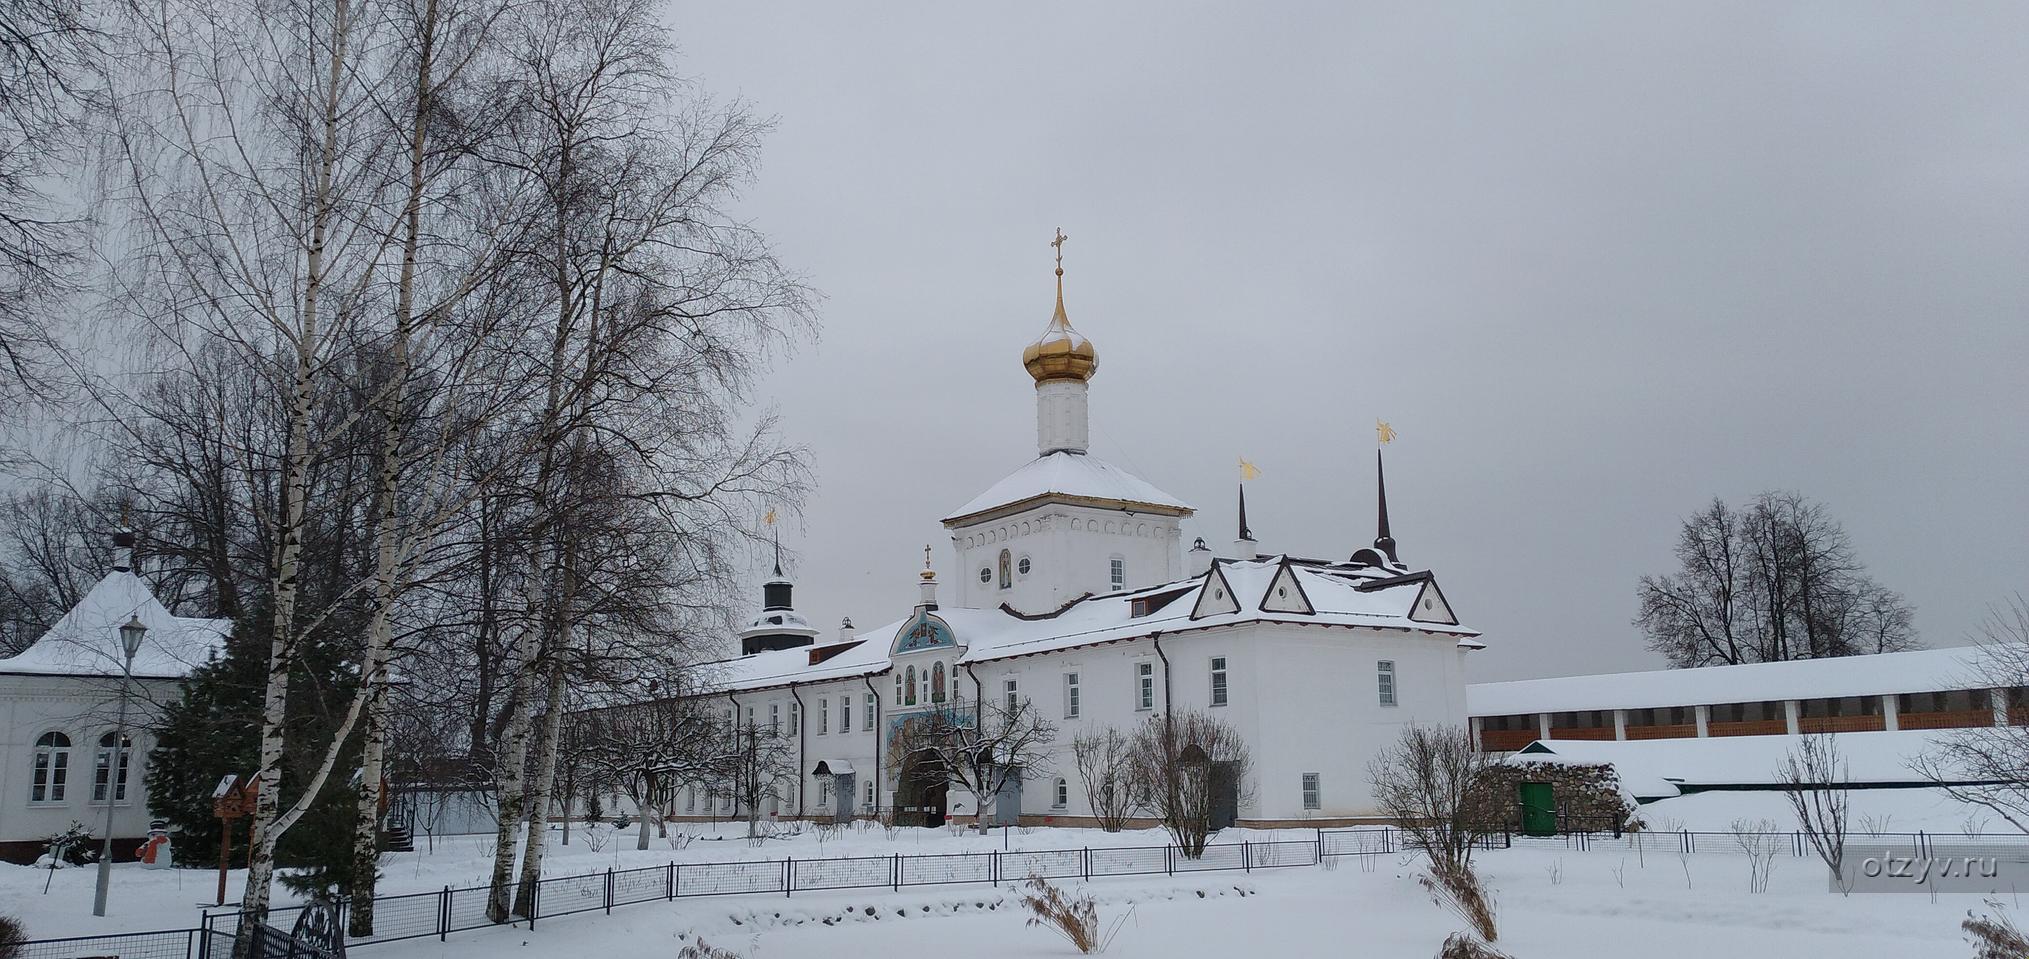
1061 353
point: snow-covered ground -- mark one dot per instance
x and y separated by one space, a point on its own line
1552 902
1872 810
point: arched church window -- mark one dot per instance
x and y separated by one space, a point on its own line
52 768
937 683
898 691
1006 570
910 697
102 770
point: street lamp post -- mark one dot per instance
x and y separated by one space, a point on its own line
131 635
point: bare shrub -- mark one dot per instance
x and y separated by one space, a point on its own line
1458 888
700 949
1105 762
1429 782
12 935
1461 946
1191 764
1994 936
1075 917
1988 766
1814 778
1760 842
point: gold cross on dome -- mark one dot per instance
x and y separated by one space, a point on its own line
1059 244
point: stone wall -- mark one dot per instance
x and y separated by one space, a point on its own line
1588 795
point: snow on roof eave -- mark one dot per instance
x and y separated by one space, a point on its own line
1075 478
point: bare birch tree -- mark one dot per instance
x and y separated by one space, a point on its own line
1988 766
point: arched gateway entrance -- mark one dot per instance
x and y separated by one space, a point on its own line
921 792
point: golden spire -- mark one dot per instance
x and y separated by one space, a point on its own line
1061 353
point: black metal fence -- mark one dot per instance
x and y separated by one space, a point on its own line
449 910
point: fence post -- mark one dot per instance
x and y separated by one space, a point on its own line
609 890
993 863
669 883
898 872
1320 844
1246 860
534 902
788 876
1086 861
444 914
1921 842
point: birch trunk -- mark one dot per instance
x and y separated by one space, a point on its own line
387 549
266 821
545 765
508 767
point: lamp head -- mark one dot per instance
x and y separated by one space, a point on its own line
131 635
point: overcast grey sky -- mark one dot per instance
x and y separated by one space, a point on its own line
1596 262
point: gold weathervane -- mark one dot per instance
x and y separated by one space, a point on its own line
1384 432
1058 243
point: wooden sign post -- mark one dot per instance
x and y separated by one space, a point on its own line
233 799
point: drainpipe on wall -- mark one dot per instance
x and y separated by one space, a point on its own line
800 726
736 744
978 697
878 768
1156 637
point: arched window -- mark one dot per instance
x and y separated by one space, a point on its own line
937 683
103 765
910 697
898 688
1061 795
52 768
1006 569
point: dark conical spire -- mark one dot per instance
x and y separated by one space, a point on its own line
778 551
1245 533
1382 540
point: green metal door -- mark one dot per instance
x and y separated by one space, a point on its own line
1539 810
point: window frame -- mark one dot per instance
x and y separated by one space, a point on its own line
867 715
1220 692
1312 785
1060 794
1144 685
102 759
1387 684
49 776
1116 572
1011 692
1073 696
824 715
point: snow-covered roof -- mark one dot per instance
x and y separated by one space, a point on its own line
990 634
1068 474
779 621
1656 768
1919 671
86 641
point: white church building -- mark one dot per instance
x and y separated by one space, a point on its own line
59 710
1073 592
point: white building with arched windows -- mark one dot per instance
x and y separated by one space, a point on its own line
59 702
